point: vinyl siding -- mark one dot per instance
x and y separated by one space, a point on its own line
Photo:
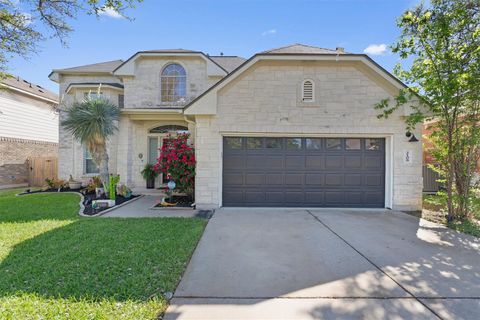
28 121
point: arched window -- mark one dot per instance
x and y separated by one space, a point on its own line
173 83
308 91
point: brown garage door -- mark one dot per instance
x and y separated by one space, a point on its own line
303 172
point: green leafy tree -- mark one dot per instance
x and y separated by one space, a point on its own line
442 42
92 122
25 23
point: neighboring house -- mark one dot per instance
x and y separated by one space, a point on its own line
293 126
28 128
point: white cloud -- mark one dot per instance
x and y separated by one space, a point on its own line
27 19
269 32
109 12
376 49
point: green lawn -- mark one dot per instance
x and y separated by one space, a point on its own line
56 265
435 211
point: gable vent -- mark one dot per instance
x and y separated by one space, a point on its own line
307 91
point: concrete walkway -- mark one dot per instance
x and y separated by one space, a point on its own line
328 264
142 208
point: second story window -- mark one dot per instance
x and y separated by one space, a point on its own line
173 84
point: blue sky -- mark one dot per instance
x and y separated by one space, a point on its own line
234 27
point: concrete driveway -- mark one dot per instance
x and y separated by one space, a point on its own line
329 264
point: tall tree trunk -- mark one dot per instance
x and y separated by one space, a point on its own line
450 176
103 167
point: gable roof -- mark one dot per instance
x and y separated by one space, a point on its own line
26 87
229 63
101 67
303 52
213 68
299 48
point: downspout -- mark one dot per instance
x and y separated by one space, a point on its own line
191 122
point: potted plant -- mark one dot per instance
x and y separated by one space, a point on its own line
149 174
73 184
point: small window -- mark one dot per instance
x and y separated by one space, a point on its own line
121 100
334 144
294 143
352 144
90 166
373 144
254 143
93 95
273 143
314 144
233 143
308 91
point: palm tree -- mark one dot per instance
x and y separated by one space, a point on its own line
91 122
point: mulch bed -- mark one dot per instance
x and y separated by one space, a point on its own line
87 201
181 202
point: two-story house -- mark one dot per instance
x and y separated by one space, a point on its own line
293 126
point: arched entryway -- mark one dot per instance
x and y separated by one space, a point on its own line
156 138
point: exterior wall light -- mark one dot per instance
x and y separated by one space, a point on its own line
411 136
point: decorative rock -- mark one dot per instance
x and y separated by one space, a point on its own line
96 204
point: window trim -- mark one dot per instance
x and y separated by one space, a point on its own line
162 101
304 82
85 158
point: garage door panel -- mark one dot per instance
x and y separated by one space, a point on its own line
254 196
294 162
292 197
274 162
293 172
255 161
314 198
274 197
314 179
353 161
353 179
233 179
374 162
333 197
374 197
353 197
274 179
233 197
254 179
373 180
334 179
333 162
294 179
314 162
234 162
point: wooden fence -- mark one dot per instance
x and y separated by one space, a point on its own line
41 168
430 183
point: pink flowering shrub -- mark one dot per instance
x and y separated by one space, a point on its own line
177 161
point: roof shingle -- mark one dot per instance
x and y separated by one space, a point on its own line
22 84
101 67
229 63
299 48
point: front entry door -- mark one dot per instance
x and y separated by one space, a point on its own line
154 143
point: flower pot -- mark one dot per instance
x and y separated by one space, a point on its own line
74 185
150 183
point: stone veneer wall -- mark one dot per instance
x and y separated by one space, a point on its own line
266 100
13 156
